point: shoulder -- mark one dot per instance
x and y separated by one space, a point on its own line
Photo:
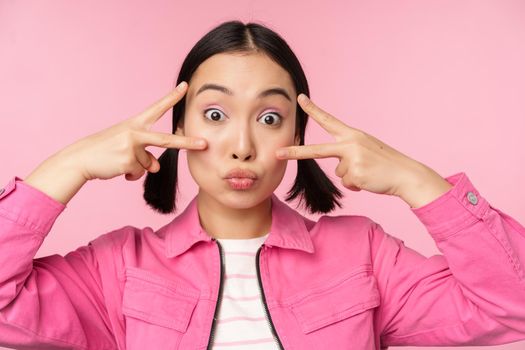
360 221
342 225
117 237
351 231
124 240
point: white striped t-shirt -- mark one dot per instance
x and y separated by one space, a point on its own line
241 321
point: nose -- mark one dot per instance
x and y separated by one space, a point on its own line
242 146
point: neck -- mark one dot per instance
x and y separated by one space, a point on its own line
221 221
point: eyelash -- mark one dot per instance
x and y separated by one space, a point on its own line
215 109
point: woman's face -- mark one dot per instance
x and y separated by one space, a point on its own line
244 105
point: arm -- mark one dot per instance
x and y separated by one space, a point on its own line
58 177
55 301
473 294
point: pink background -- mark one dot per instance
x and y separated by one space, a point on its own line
441 81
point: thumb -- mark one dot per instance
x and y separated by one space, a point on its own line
155 165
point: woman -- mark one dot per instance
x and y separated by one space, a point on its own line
239 268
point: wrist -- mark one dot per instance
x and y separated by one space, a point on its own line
422 187
56 177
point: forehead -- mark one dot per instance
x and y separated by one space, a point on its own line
245 74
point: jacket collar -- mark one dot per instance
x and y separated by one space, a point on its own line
288 229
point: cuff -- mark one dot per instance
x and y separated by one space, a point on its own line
28 206
454 210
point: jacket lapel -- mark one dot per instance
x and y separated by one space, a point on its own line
288 229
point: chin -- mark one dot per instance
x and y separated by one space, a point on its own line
236 199
242 199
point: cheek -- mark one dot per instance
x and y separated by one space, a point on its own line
200 159
201 162
268 147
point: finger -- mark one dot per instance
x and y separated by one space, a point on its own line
147 160
341 168
135 174
159 139
322 150
347 182
157 110
354 188
327 121
155 165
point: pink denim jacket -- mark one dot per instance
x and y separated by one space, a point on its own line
340 282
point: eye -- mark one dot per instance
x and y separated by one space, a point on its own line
215 114
271 118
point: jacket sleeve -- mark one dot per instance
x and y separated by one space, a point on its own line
54 301
472 294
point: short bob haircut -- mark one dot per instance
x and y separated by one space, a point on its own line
311 183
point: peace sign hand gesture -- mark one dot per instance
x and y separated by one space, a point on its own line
117 150
120 149
366 162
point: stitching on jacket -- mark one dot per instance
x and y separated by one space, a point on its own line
26 224
489 223
165 290
50 338
341 315
417 334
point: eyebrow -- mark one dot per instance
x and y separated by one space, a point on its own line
265 93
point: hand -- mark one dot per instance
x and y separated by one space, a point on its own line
364 161
120 149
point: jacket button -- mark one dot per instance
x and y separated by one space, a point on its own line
472 198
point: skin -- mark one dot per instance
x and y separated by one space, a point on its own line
364 160
241 139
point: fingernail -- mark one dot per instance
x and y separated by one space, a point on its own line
181 86
302 98
200 143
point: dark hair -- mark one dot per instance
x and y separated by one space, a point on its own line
311 183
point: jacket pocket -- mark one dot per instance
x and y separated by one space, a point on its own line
346 298
157 311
